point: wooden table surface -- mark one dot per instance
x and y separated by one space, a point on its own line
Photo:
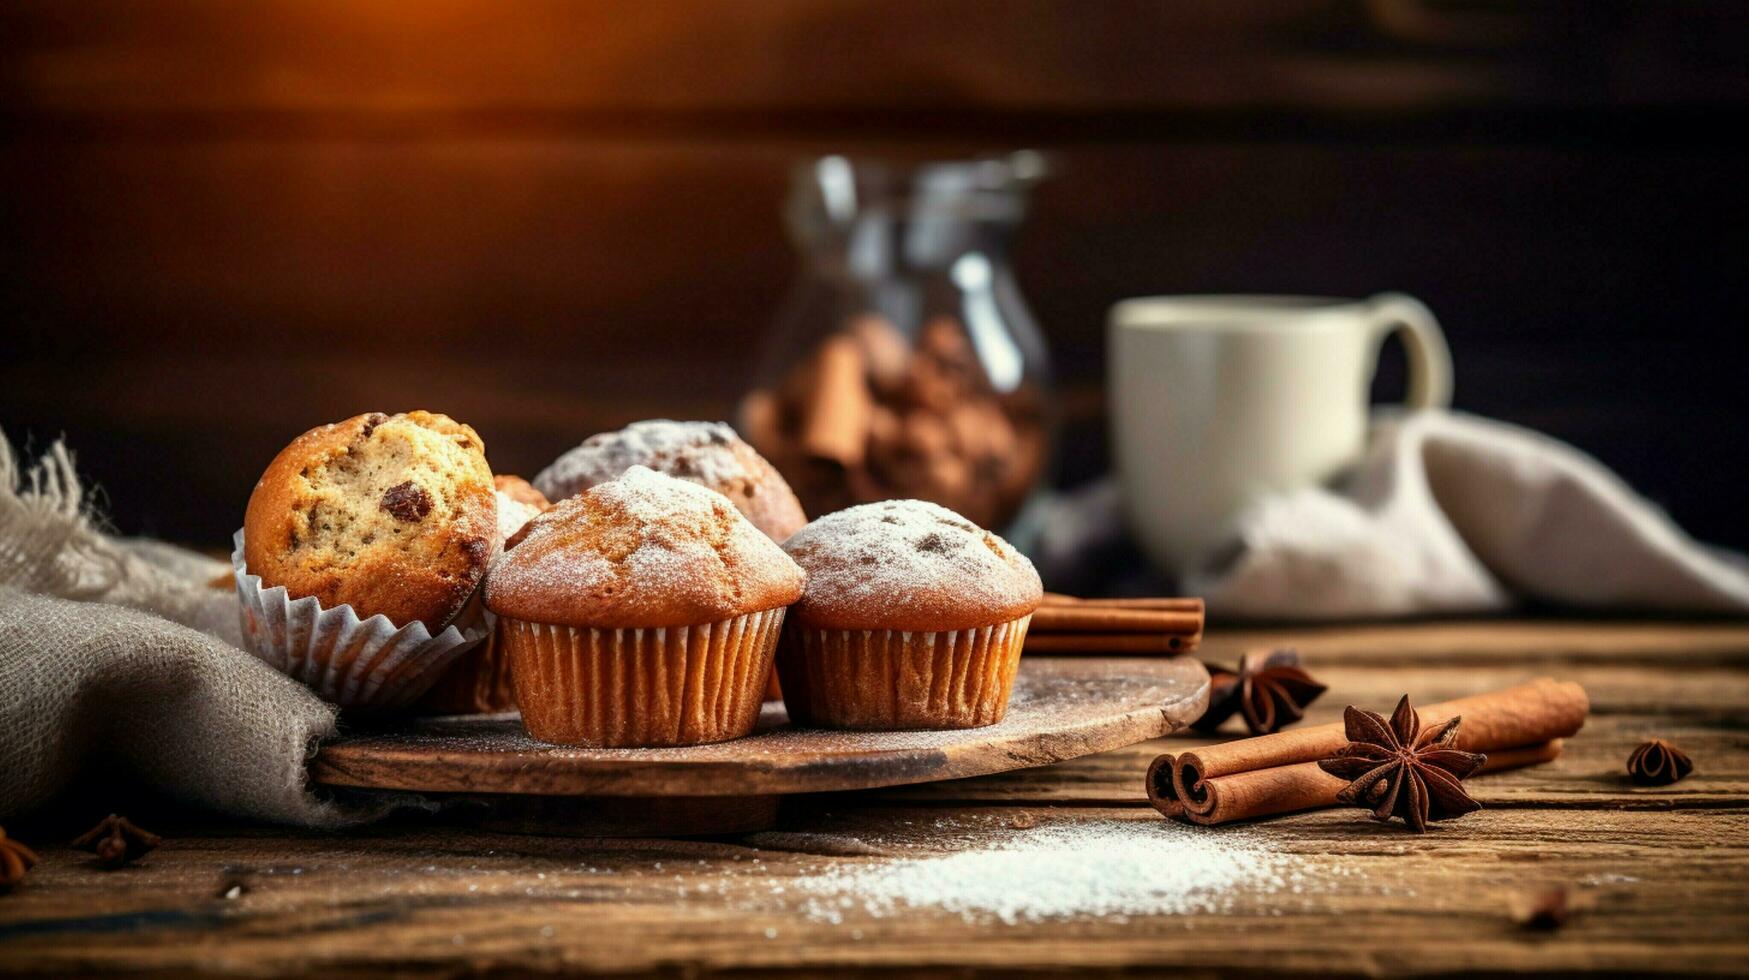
1657 878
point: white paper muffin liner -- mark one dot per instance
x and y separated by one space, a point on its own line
363 665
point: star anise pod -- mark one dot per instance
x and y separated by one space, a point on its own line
1270 689
116 840
1399 770
1658 763
15 861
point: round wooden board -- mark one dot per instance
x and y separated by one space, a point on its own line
1062 708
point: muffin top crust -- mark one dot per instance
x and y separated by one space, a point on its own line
390 514
706 453
643 551
909 565
520 490
518 503
512 515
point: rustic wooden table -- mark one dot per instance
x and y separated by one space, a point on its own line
1657 879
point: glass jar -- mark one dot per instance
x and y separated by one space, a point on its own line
905 363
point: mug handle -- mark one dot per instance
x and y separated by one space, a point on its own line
1429 357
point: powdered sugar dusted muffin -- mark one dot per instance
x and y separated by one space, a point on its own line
390 514
641 612
913 617
479 682
710 454
707 453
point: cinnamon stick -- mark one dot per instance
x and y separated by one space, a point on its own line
1162 603
837 417
1303 786
1154 643
1095 619
760 419
1274 774
1065 624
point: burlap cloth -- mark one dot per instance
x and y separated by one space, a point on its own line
119 654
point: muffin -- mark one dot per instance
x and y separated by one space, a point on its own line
641 612
706 453
913 617
479 682
710 454
361 554
520 492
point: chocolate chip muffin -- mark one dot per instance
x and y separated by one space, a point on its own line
913 617
641 612
709 454
389 514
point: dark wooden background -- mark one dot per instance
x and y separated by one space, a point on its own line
226 222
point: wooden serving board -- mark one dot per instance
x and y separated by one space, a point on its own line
1062 708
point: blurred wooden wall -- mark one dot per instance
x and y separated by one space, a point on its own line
226 222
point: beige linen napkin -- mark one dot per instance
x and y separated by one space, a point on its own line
117 653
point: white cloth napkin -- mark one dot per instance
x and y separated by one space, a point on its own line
1450 513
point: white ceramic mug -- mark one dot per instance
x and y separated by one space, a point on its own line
1219 400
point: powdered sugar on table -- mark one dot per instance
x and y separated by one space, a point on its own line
1063 870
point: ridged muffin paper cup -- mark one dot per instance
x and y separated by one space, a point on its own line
892 680
362 665
641 688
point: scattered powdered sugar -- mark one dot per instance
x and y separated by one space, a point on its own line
704 452
836 875
898 557
1067 869
1608 878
